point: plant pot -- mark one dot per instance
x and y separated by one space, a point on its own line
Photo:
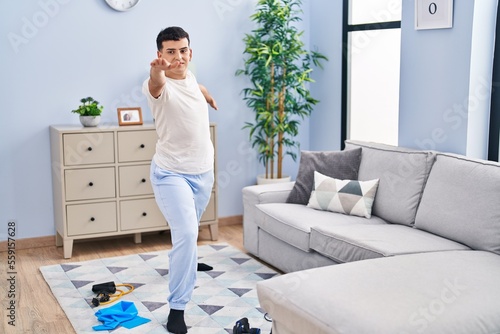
90 120
261 179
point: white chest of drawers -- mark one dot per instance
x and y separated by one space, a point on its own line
101 187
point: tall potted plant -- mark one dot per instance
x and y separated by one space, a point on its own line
279 68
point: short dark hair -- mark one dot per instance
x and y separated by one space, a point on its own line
171 34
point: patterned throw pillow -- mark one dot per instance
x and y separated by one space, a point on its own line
350 197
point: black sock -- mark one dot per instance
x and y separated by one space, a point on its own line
204 267
175 323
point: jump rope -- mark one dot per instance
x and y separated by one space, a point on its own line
108 293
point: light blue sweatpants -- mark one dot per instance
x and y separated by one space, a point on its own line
182 198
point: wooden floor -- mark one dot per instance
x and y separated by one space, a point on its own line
37 311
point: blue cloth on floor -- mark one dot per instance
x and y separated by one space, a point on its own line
123 313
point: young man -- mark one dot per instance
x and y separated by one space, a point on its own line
182 167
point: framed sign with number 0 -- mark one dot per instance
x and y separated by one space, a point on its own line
433 14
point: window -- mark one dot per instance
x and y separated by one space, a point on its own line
372 39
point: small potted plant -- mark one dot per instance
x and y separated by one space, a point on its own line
89 111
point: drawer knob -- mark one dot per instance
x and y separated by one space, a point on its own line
143 180
91 184
142 145
92 219
89 149
144 214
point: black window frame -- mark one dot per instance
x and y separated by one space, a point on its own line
494 126
494 131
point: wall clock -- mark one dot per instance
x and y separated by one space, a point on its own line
433 14
122 5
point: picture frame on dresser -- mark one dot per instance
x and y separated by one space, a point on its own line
130 116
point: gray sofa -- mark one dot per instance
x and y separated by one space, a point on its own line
426 261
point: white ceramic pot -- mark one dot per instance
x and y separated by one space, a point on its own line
90 120
261 179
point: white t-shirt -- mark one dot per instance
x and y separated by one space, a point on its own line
182 124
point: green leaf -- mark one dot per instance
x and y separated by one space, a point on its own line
88 107
276 58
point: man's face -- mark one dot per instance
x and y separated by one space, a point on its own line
178 54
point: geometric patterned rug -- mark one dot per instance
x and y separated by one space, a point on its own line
221 297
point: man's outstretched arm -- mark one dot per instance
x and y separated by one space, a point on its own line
208 97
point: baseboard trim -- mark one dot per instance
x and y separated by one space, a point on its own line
28 243
50 240
231 220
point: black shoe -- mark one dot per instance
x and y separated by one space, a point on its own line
241 327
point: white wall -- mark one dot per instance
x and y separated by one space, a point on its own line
326 36
481 72
444 98
54 52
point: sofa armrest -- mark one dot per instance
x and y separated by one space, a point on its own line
267 193
259 194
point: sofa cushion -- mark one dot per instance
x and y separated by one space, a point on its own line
252 195
461 201
292 222
402 173
286 257
351 197
362 242
338 164
417 293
